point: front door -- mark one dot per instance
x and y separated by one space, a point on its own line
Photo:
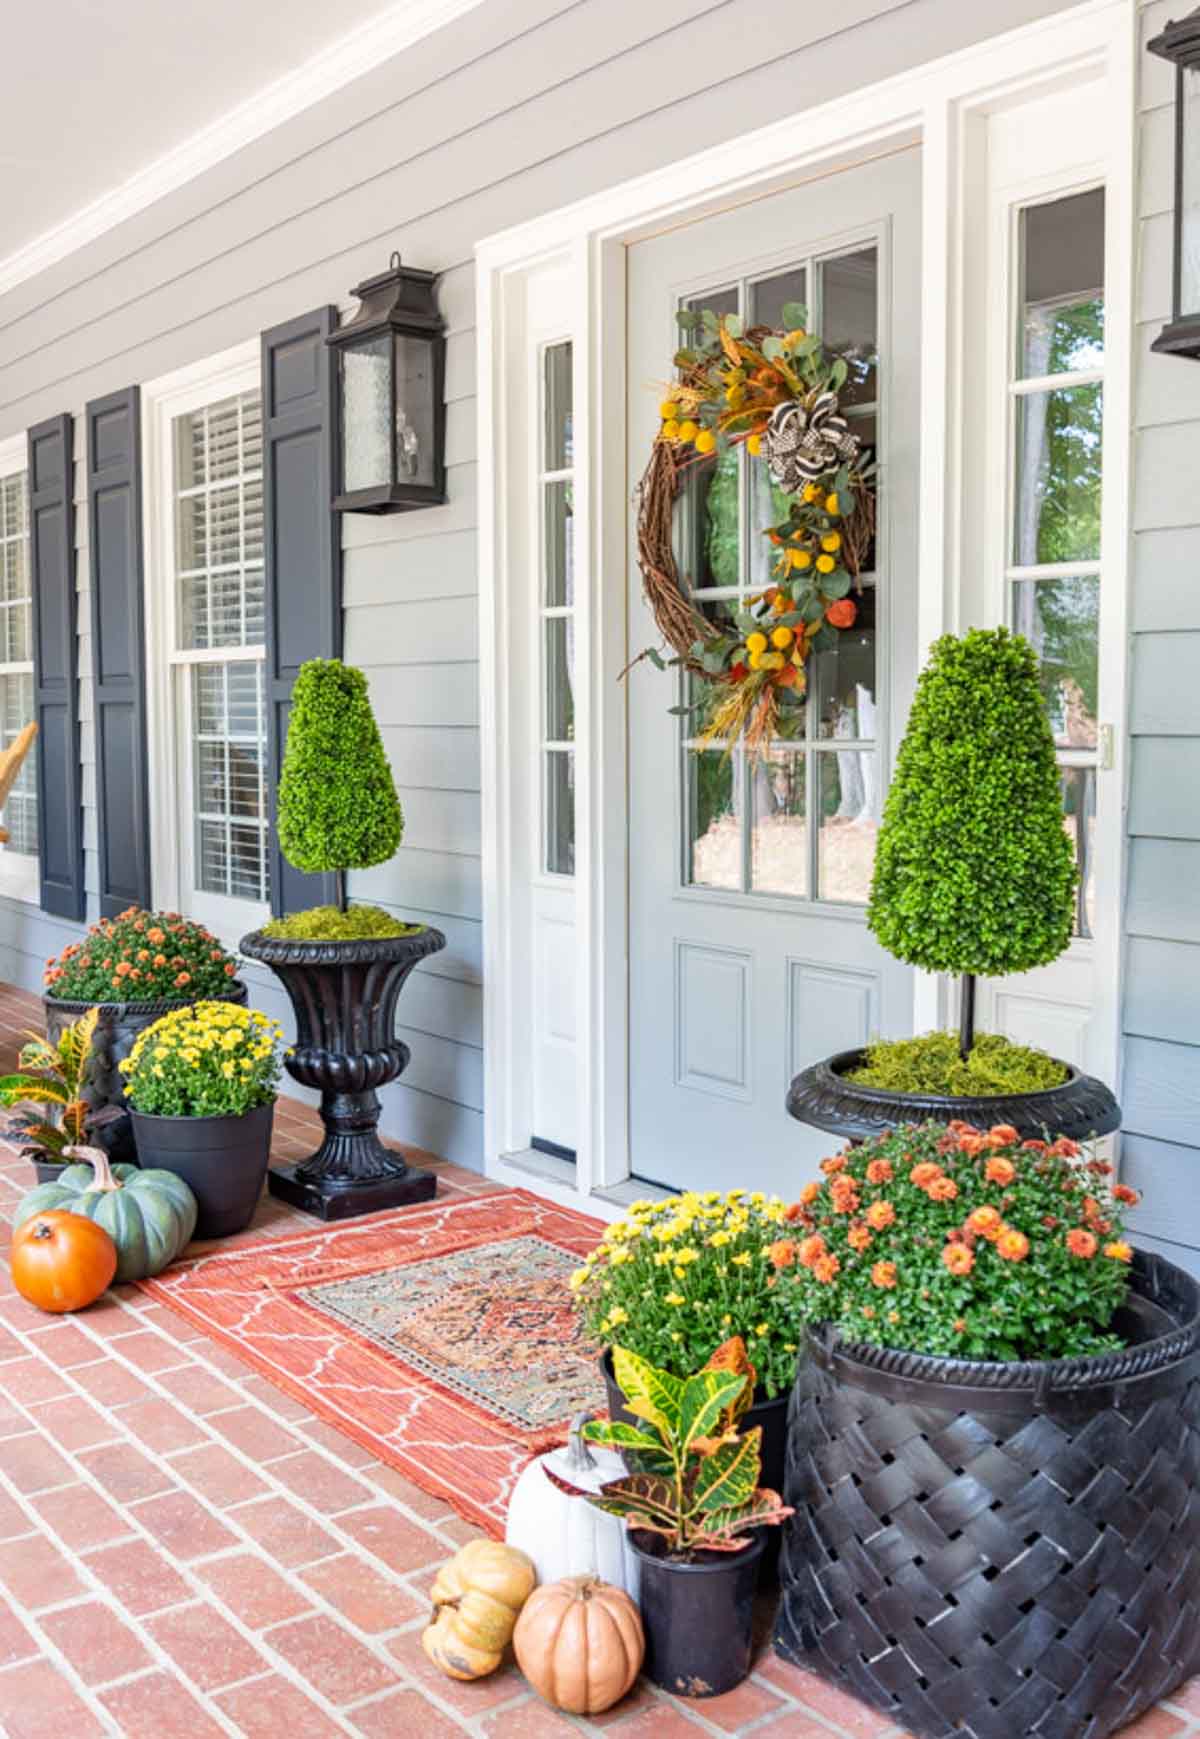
749 955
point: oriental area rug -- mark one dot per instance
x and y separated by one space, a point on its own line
443 1339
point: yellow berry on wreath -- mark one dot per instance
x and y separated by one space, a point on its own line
756 642
705 441
832 540
754 660
810 492
832 504
782 637
668 409
688 430
825 564
799 558
670 430
754 445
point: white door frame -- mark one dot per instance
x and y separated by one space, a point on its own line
942 104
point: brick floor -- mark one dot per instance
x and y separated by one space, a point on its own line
185 1551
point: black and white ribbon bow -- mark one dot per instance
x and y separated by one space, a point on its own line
802 441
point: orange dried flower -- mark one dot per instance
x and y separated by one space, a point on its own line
958 1259
1081 1242
880 1215
1012 1245
1001 1171
884 1275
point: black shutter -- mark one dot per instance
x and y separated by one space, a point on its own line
55 678
118 649
302 547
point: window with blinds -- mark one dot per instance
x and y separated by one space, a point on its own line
16 657
219 647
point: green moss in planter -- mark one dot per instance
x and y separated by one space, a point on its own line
932 1064
328 924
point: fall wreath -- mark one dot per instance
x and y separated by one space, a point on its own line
776 392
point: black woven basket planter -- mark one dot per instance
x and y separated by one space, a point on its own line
116 1029
999 1550
344 997
1081 1108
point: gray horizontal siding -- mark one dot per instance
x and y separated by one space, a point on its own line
510 111
1161 1010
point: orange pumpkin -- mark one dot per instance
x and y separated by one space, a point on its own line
62 1261
579 1642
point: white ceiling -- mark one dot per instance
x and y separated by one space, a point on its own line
97 91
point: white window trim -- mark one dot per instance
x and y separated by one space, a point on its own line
20 872
233 371
939 103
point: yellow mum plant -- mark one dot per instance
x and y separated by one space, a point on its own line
675 1279
212 1059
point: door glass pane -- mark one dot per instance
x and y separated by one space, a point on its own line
560 700
560 811
1061 620
1062 284
849 319
779 844
1058 476
770 296
707 513
559 579
714 835
1079 819
559 387
768 506
844 677
849 802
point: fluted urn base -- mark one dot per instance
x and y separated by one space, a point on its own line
344 995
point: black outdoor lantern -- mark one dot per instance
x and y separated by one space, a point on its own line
1180 42
392 363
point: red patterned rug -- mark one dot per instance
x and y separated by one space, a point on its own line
443 1339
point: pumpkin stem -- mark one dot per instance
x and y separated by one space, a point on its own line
579 1456
98 1160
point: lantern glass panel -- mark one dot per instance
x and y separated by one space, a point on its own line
1189 208
366 414
414 409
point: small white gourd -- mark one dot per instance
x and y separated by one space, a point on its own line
564 1535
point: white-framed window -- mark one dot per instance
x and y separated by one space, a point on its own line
1055 432
18 855
206 632
556 607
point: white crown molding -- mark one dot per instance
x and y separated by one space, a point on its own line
348 58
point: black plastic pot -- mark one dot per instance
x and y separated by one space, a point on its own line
698 1615
771 1415
344 996
223 1160
116 1029
1081 1108
989 1550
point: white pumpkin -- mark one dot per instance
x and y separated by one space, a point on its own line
564 1535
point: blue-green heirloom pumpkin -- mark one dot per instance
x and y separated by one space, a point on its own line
149 1215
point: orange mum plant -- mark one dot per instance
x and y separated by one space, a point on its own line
963 1242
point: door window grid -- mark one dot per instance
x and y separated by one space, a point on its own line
1055 405
748 829
219 642
16 658
556 608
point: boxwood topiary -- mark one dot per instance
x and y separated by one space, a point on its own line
338 807
974 873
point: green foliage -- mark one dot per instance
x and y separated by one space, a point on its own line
676 1278
213 1060
693 1477
932 1064
141 957
330 924
50 1075
965 1243
974 872
338 807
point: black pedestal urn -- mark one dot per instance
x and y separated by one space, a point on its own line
993 1550
344 996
